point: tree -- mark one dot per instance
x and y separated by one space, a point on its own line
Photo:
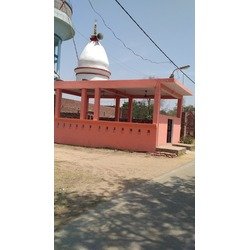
142 110
188 108
173 111
163 112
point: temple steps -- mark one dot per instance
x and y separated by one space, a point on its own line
171 149
190 147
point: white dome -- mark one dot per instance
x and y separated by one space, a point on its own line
94 55
93 63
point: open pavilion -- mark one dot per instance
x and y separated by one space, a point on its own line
116 134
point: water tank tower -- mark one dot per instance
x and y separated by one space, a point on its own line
63 29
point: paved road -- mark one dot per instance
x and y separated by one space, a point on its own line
157 214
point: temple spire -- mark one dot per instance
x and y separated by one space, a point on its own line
95 28
96 37
93 62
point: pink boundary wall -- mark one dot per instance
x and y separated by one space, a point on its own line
105 134
162 129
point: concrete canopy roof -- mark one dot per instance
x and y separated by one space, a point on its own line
139 88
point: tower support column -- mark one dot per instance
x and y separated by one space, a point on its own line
97 104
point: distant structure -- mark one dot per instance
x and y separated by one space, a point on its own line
63 30
71 109
93 63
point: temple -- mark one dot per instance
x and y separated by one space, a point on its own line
93 81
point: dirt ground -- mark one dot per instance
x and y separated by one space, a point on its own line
85 177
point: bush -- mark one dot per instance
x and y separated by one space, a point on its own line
187 139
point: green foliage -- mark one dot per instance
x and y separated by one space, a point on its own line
163 112
173 111
141 110
187 139
188 108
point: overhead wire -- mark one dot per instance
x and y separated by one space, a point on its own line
152 40
119 39
127 67
178 75
75 49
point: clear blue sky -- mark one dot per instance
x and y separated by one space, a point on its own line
170 23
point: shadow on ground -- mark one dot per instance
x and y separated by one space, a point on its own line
149 215
70 205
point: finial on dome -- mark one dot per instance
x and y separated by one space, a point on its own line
95 25
96 37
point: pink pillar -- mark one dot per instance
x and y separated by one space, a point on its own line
58 103
130 109
97 104
157 103
87 105
179 107
117 109
84 104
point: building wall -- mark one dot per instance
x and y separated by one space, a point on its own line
119 135
162 129
176 129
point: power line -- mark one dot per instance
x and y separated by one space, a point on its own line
87 39
153 41
123 65
145 59
75 49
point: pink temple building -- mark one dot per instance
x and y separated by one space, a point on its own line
92 81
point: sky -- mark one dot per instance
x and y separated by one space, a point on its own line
171 24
